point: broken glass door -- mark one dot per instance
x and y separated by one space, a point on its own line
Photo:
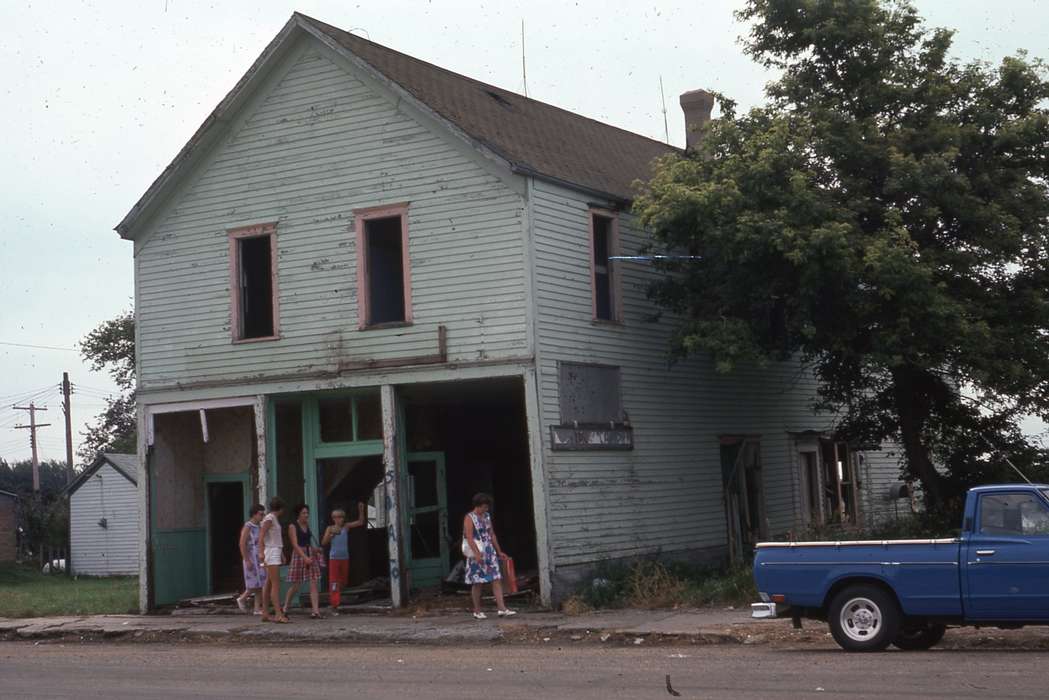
427 513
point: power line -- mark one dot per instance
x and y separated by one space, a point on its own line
25 394
38 347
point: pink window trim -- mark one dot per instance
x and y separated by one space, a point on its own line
613 278
235 234
362 215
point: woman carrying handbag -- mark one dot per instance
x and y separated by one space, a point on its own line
482 552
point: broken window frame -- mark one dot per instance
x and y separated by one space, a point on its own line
834 507
237 306
615 304
362 217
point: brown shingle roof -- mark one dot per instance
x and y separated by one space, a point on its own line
537 138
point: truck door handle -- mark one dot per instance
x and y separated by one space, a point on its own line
985 552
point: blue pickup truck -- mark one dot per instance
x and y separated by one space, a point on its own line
875 593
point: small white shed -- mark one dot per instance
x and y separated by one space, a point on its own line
103 517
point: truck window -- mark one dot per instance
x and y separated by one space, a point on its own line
1021 514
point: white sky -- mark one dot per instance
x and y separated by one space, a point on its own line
99 96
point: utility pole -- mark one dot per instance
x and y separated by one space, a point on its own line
66 391
32 428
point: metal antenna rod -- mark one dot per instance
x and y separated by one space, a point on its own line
650 258
524 71
663 97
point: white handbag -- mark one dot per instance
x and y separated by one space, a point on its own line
468 551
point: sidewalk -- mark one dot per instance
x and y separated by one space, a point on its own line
713 626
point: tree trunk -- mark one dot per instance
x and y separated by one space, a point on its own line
913 403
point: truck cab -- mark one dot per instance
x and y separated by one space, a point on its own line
906 592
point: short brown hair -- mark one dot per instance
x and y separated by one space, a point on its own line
276 504
482 499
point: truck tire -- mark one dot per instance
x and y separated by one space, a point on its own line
919 637
864 617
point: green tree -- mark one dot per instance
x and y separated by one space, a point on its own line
111 347
884 218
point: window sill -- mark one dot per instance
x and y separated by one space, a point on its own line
264 339
382 326
606 323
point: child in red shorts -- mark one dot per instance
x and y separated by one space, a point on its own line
337 534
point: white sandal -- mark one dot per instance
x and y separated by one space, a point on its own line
507 613
480 616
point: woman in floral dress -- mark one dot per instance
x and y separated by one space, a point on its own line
483 555
254 572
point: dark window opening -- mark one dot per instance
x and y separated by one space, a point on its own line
604 302
256 287
385 258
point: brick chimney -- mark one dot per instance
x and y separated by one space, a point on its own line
697 105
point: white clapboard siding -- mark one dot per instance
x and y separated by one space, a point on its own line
665 495
110 550
318 145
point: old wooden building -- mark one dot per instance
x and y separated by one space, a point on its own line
369 279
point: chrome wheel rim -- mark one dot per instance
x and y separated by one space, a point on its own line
860 619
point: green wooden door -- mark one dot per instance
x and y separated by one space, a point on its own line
427 515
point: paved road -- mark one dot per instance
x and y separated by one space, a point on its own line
505 672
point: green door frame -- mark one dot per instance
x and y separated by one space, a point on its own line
441 508
312 446
244 479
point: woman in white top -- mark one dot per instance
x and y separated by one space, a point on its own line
271 554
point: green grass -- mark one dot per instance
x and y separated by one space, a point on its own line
652 584
25 592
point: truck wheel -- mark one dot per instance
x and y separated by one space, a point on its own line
920 637
864 618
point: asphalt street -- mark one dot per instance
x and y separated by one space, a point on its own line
504 672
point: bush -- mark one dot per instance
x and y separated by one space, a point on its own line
654 584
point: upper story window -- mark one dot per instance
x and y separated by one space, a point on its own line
604 242
383 269
253 282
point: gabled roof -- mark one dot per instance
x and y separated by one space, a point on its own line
125 464
535 137
532 137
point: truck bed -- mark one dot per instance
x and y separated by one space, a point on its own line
924 572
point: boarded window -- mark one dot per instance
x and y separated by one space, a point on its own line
385 264
589 393
255 292
592 416
603 246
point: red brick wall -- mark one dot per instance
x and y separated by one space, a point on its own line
7 528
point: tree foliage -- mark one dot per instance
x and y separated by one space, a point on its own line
43 515
111 347
883 217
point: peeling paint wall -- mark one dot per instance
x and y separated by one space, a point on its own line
664 496
317 143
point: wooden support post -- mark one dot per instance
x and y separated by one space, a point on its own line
143 418
391 464
260 441
539 483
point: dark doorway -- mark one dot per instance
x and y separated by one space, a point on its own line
225 518
480 429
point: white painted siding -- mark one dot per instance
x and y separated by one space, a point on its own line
314 145
665 495
110 550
